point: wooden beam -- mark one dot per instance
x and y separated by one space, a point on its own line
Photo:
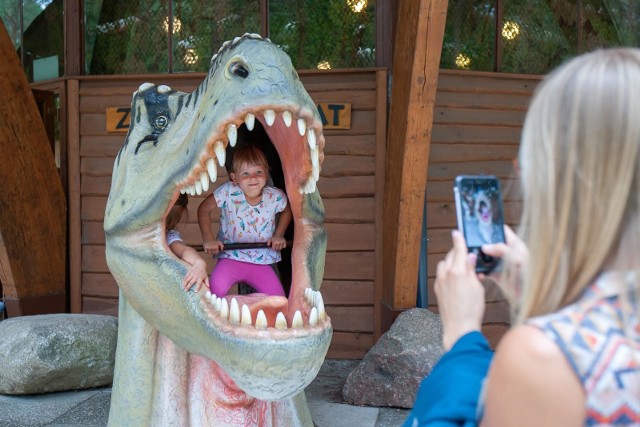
73 38
75 223
32 202
381 131
418 45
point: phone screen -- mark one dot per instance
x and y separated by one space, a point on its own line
480 214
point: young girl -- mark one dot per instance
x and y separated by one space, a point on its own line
248 214
197 273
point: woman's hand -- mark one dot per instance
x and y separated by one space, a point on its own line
515 253
460 293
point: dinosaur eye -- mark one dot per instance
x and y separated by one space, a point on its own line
239 69
161 122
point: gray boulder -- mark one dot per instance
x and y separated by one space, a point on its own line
56 352
391 371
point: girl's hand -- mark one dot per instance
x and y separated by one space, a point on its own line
212 247
196 275
277 243
460 293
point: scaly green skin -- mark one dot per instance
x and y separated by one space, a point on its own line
171 137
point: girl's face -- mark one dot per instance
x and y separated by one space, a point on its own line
251 179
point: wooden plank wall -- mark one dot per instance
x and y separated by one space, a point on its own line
347 185
477 123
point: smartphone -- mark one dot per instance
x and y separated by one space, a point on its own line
480 215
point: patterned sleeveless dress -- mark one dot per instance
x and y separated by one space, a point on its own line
603 352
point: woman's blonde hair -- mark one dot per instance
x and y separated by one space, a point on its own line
580 166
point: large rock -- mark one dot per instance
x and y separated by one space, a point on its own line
390 373
56 352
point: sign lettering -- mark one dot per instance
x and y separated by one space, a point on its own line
333 115
118 119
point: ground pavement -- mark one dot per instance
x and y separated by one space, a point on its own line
90 408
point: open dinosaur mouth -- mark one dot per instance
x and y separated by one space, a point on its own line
296 135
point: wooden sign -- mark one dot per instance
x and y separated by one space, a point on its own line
333 116
118 119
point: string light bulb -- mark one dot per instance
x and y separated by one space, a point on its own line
190 56
357 6
177 24
463 61
510 30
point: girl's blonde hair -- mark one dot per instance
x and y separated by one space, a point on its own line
177 212
250 155
580 167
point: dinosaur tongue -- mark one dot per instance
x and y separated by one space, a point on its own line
270 305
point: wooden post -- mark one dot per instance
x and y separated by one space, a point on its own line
32 202
418 45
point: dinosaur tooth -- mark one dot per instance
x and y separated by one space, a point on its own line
315 157
198 185
281 321
192 190
261 320
221 153
224 309
307 295
302 127
288 119
234 312
250 120
232 134
218 304
310 186
212 299
316 172
313 317
296 323
208 294
183 190
270 117
246 316
204 181
320 306
311 139
211 169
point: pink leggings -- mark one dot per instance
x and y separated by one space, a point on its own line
228 272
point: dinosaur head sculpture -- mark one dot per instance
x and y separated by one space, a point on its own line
176 142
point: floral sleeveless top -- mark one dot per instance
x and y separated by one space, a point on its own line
603 352
242 223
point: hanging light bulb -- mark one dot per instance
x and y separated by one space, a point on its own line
510 30
177 24
357 6
463 61
190 56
